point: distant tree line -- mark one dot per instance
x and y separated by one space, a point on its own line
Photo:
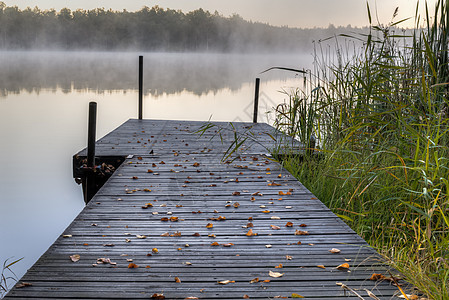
149 29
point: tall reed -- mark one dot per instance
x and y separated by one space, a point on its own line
381 119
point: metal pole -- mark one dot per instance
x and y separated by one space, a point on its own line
140 87
91 134
256 101
90 188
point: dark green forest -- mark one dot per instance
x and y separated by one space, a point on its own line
149 29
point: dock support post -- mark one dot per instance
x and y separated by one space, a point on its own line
140 87
91 131
256 101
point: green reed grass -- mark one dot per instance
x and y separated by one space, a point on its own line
380 116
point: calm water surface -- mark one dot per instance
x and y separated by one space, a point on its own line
43 121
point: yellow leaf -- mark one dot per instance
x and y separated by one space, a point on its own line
321 266
294 295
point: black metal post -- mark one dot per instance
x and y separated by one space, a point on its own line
256 101
90 174
140 87
91 134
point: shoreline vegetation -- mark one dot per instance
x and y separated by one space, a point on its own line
380 118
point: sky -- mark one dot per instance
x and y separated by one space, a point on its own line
292 13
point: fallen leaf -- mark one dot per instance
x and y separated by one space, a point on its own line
228 245
191 298
294 295
196 234
236 204
250 233
275 274
158 296
255 280
177 280
23 284
108 245
266 280
165 234
275 218
174 219
141 236
280 266
289 224
67 236
226 281
288 257
266 211
75 257
165 219
268 246
209 225
132 266
321 266
236 194
274 227
300 232
334 250
303 225
215 244
155 250
376 277
245 297
344 266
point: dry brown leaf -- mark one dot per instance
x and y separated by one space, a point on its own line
215 244
209 225
245 297
376 277
132 266
158 296
280 266
274 227
228 245
321 266
177 280
275 274
75 257
192 297
289 224
334 250
255 280
288 257
344 266
300 232
174 219
23 284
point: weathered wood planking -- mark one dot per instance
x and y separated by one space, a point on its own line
181 175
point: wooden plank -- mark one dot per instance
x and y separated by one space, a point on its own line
189 182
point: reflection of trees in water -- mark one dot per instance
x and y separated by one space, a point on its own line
167 73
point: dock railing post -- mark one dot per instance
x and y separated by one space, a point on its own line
140 87
256 101
91 131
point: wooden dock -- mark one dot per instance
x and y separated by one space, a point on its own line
174 221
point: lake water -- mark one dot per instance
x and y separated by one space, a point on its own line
43 121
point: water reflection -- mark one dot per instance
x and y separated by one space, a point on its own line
164 73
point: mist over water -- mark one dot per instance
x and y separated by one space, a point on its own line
43 121
169 73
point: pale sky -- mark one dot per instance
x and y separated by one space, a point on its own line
292 13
